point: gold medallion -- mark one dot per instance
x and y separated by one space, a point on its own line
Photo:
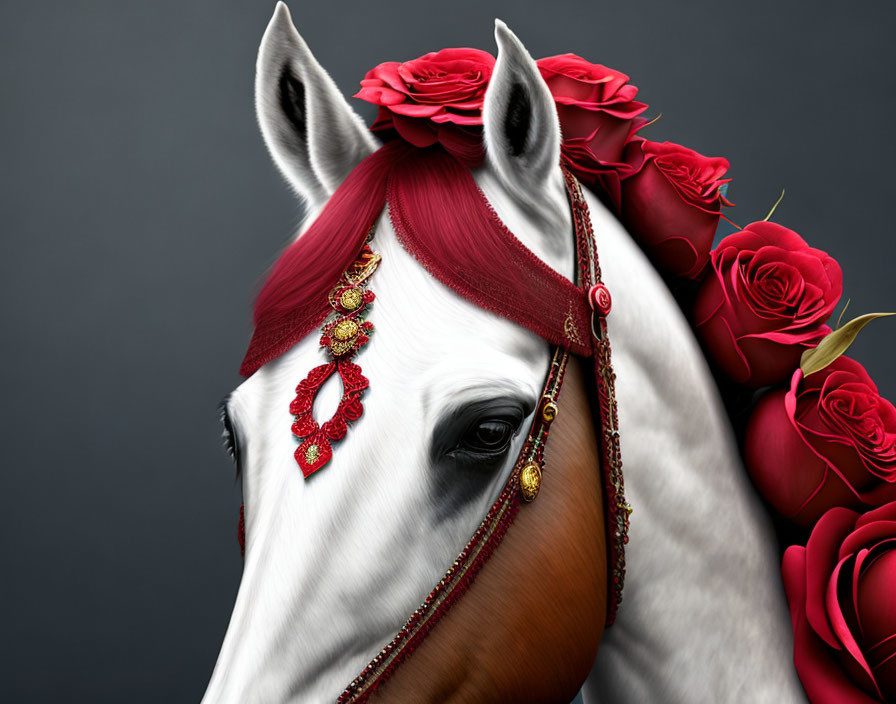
530 481
350 298
345 329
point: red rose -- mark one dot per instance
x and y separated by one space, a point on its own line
598 116
596 104
672 204
841 593
765 302
828 441
436 98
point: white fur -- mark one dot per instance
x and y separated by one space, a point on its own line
336 139
336 563
528 175
703 617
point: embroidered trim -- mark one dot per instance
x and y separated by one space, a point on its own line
343 335
616 509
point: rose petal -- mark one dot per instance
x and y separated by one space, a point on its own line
419 132
821 559
841 628
876 610
884 513
867 535
822 678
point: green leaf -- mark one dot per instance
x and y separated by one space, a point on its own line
835 344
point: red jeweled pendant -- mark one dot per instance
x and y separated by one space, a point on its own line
342 335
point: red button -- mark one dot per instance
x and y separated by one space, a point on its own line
599 299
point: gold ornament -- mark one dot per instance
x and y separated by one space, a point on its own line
312 453
345 329
530 481
549 410
363 267
350 298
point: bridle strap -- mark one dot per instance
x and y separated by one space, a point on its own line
525 479
616 509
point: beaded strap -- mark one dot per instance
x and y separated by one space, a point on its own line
616 509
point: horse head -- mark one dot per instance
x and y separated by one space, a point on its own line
337 560
335 563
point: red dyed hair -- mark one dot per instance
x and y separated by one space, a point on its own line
443 219
293 300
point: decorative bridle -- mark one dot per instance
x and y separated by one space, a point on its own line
572 317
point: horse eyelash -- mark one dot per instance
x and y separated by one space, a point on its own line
227 437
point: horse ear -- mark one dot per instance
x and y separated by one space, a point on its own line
312 133
522 132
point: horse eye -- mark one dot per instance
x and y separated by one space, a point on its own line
488 436
478 433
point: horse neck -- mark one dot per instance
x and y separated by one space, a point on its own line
703 616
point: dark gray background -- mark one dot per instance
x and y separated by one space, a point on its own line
140 209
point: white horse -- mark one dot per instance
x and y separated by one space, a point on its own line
334 565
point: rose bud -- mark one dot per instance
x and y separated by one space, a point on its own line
764 302
828 441
672 204
436 98
841 593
